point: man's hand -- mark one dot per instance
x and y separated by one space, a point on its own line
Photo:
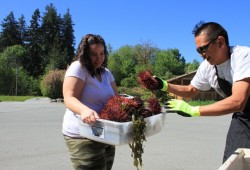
182 108
162 84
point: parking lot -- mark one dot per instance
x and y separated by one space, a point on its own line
32 139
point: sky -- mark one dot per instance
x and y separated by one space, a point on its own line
167 24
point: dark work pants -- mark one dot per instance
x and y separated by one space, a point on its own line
238 135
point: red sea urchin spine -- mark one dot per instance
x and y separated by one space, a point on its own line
114 110
146 79
121 109
153 105
139 101
145 113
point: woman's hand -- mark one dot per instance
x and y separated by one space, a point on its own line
89 116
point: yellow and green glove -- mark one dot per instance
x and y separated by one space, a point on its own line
182 108
161 84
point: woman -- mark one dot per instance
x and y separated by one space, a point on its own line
87 86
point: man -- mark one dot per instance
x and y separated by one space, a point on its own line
227 70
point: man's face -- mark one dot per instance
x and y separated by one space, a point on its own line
207 48
214 50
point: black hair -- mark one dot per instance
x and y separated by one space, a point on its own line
211 29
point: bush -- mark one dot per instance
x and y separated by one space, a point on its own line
51 84
27 85
162 96
144 94
129 82
135 91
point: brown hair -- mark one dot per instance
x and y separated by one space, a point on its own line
83 50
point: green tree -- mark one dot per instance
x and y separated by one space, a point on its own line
10 64
169 62
7 76
192 66
146 53
10 34
122 63
35 49
110 49
58 59
50 31
58 39
128 60
129 81
27 85
68 38
22 29
114 63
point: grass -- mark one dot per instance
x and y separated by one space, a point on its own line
200 102
17 98
23 98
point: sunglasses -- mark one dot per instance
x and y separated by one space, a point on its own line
204 48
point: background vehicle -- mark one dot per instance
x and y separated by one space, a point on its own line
126 95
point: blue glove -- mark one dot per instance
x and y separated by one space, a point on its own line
182 108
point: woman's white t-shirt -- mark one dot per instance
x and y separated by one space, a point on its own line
232 70
95 95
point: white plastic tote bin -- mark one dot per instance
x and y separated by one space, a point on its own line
119 133
240 160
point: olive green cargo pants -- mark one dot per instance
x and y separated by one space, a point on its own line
86 154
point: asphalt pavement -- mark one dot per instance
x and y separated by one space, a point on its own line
31 139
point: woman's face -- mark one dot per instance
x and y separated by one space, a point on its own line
97 55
